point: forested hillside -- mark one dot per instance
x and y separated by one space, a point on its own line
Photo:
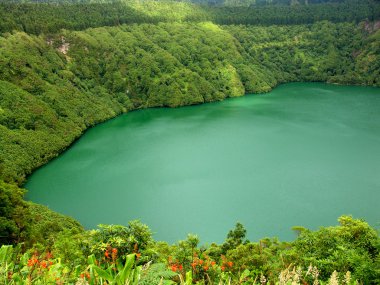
66 67
50 17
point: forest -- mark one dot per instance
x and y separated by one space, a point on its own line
65 67
38 18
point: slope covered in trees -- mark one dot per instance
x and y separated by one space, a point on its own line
67 67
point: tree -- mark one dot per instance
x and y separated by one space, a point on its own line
235 237
352 246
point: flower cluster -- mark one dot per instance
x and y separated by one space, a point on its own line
205 264
226 265
85 276
33 261
174 265
111 254
40 262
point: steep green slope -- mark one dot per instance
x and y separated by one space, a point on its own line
337 53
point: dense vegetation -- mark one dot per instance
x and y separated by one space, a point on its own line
67 67
342 254
50 18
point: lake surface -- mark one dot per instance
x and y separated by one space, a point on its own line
303 154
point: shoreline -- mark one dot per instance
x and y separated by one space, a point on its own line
167 107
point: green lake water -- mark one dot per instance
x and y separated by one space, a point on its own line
303 154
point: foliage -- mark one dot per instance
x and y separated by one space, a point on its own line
109 240
44 224
352 246
29 223
115 273
12 210
156 273
50 16
345 254
235 238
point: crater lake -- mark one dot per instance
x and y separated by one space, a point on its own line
303 154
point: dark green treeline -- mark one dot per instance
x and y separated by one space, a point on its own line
37 18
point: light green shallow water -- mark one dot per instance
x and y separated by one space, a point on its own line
303 154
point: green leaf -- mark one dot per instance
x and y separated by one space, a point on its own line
91 260
6 252
119 265
127 270
103 273
244 275
136 275
189 278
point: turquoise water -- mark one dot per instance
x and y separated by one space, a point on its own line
303 154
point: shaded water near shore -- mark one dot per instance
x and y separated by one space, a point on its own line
303 154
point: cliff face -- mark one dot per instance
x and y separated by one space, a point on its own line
371 27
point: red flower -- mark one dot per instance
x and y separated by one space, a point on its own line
180 267
44 264
230 263
194 264
32 262
174 268
138 255
205 267
107 254
200 261
114 253
213 263
223 268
